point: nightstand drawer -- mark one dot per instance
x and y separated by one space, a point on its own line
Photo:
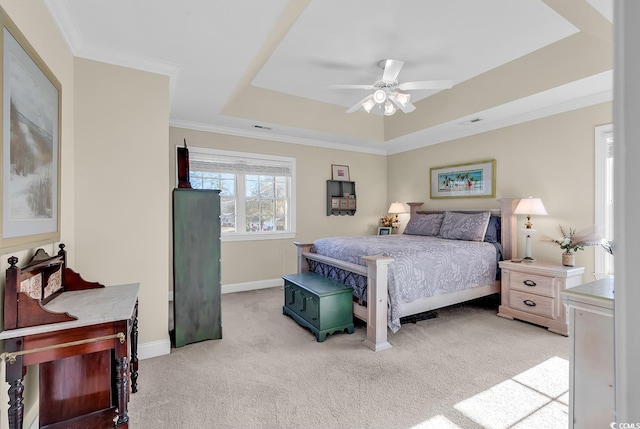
532 283
534 304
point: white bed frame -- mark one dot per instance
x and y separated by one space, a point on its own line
376 273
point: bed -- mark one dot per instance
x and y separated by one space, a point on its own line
436 265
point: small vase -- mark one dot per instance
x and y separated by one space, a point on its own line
568 259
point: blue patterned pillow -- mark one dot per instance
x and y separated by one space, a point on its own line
424 224
464 226
493 230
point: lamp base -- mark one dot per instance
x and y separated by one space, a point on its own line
527 250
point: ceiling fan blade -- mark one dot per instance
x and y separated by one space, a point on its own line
391 70
358 105
426 84
407 108
350 87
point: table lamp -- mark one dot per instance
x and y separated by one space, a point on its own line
396 208
529 206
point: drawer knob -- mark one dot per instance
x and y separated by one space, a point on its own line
529 303
529 283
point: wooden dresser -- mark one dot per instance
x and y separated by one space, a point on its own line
530 291
83 337
197 309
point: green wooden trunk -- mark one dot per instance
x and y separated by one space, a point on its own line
196 266
318 303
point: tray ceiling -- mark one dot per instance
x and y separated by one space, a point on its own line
234 65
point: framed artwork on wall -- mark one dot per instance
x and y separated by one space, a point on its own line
340 172
30 180
474 179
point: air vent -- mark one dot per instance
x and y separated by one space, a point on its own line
261 127
470 121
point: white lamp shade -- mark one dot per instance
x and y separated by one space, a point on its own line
530 206
368 105
396 207
389 108
403 98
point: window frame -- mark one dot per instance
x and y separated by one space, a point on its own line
603 261
240 194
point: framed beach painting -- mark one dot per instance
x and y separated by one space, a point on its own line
30 179
476 179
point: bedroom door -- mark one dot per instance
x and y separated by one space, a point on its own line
196 266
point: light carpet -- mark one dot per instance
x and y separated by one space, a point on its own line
467 368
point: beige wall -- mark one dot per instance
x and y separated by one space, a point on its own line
270 259
551 158
35 23
121 182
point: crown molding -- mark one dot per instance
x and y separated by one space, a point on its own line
59 10
265 135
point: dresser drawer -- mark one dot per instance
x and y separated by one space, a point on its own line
532 283
534 304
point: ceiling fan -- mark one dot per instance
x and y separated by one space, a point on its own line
388 93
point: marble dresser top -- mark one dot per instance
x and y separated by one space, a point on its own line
599 292
91 307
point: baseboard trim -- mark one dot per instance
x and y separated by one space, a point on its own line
154 349
243 287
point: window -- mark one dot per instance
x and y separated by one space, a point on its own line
256 191
604 194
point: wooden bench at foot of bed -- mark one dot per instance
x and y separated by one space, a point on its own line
321 304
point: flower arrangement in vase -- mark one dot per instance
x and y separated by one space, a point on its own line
387 221
573 241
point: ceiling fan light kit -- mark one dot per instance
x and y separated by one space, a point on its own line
385 93
379 96
389 109
368 104
403 98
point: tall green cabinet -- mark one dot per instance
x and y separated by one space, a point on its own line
196 266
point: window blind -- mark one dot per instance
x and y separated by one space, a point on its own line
230 164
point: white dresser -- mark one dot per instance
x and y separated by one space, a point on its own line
591 376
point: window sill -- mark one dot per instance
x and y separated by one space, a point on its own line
258 236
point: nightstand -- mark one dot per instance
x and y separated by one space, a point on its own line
530 291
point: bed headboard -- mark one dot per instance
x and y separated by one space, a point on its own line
508 222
